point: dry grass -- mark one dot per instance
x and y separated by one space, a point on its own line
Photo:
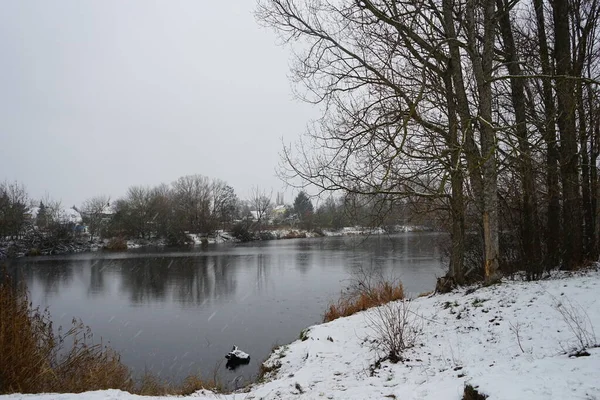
295 235
364 296
34 359
151 385
116 244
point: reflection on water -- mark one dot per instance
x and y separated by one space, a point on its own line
179 312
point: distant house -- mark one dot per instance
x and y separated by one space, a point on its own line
70 215
105 215
81 229
279 213
32 213
254 215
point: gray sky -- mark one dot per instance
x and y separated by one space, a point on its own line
96 96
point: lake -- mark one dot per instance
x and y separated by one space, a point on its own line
177 312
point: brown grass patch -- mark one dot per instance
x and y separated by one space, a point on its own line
363 297
295 235
34 358
151 385
116 244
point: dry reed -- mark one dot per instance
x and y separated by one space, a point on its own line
364 296
35 359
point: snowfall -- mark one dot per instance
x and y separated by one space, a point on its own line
514 340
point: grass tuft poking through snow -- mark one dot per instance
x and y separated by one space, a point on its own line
578 322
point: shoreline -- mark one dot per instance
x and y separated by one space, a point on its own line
15 249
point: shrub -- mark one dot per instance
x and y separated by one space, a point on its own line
241 231
266 235
470 393
177 238
295 235
579 323
362 297
116 244
396 328
34 251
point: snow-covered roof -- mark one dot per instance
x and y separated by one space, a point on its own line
33 211
70 215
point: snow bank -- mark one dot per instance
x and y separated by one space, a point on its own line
361 230
508 340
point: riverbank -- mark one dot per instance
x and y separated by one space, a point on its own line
27 247
510 341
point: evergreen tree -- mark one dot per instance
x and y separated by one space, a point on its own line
41 219
303 207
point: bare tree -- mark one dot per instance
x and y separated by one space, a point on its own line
192 195
396 105
260 203
133 214
94 212
224 202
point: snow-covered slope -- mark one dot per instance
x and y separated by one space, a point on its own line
508 340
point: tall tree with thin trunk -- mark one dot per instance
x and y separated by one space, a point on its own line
569 156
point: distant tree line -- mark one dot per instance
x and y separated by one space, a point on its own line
192 204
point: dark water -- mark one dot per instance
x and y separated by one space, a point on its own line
179 312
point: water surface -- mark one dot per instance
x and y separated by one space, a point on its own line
176 312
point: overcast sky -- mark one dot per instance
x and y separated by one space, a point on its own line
96 96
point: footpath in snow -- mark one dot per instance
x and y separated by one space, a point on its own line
509 340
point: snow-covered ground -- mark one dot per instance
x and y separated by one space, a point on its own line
509 340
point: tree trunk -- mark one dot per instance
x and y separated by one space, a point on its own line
589 237
594 187
553 227
482 69
472 154
569 159
531 239
457 207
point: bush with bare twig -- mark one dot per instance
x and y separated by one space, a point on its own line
579 323
396 327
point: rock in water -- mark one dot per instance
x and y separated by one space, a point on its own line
236 357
